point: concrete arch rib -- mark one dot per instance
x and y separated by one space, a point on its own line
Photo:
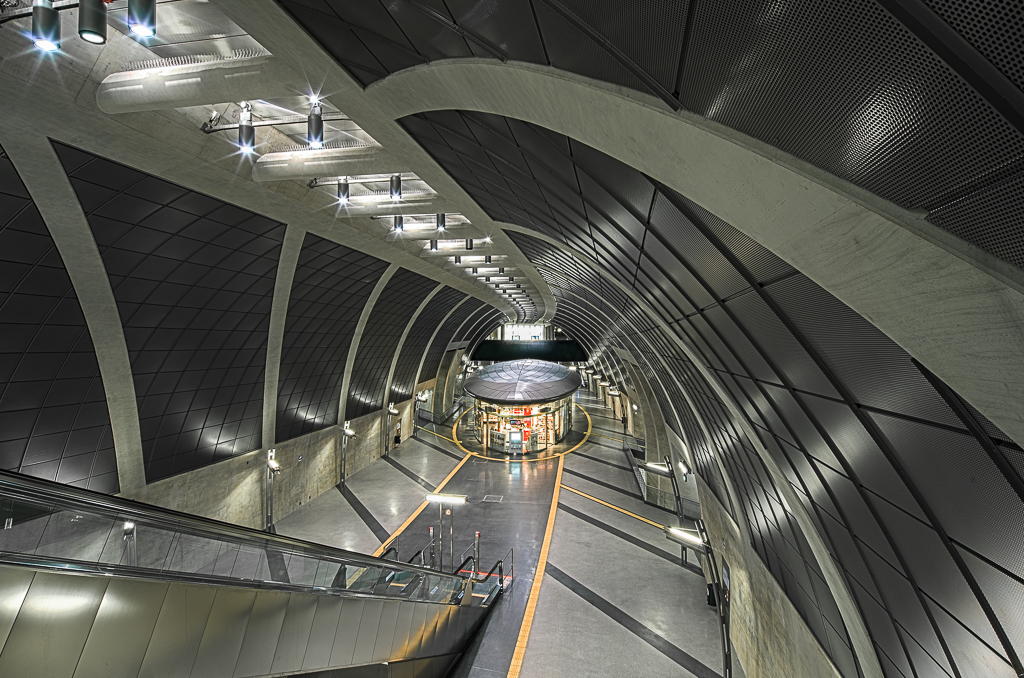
46 180
291 248
936 296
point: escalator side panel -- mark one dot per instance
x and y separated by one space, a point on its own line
367 635
291 645
52 626
179 630
444 619
122 629
321 637
262 634
13 587
225 631
416 630
348 632
386 631
400 647
430 626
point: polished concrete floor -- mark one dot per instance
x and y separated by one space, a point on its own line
614 601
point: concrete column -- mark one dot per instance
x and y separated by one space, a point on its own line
47 183
291 248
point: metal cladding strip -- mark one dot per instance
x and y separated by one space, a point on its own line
405 334
326 162
262 77
357 335
291 248
44 177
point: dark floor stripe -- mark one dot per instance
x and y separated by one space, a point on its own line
378 530
617 448
589 479
410 475
439 448
624 536
608 430
676 654
598 459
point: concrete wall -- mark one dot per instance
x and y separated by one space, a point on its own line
234 490
770 638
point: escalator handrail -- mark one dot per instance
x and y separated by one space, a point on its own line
46 492
74 567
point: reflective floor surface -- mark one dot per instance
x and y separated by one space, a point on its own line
614 600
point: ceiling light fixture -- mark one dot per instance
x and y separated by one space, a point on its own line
315 125
92 21
487 259
458 261
440 222
433 245
142 17
396 187
246 132
343 192
399 223
45 26
469 243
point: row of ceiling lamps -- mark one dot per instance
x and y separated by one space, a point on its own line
92 21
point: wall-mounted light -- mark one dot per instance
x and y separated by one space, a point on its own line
349 433
45 26
343 192
315 125
142 17
391 409
679 535
246 132
440 222
396 187
92 21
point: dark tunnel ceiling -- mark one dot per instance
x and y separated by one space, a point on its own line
876 447
841 84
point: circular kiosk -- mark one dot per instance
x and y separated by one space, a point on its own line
521 406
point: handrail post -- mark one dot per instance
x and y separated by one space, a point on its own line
476 551
433 552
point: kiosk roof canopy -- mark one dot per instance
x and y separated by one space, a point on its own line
523 382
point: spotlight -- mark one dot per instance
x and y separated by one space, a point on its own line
343 192
458 261
501 271
399 223
45 26
396 187
142 17
315 126
469 243
474 270
440 222
433 245
92 21
246 132
487 259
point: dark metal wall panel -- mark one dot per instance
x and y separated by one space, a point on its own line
193 278
843 85
53 410
472 322
392 311
403 383
329 291
444 335
875 447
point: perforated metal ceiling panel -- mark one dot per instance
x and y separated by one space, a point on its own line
53 409
470 324
331 286
402 384
876 448
193 278
392 311
444 335
843 85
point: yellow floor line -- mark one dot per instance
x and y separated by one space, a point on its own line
435 434
538 579
613 506
418 511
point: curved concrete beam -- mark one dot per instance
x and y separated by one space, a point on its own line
209 82
353 347
47 183
326 162
952 306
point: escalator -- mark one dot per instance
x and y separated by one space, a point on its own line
97 586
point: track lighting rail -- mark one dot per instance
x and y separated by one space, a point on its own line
285 120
